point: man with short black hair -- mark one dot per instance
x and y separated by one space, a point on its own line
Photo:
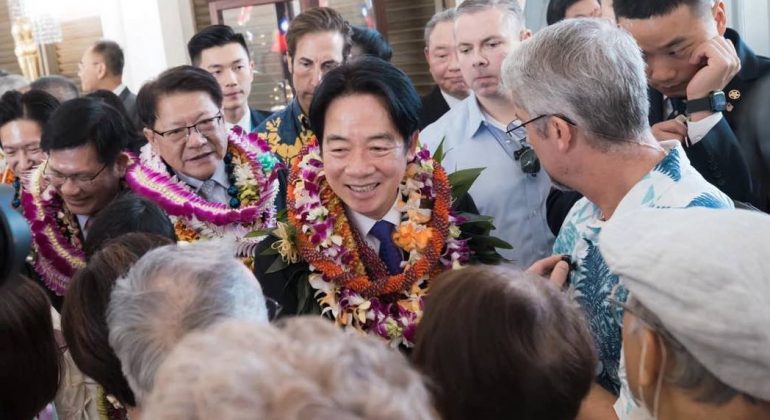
84 140
221 51
102 68
212 184
318 40
700 73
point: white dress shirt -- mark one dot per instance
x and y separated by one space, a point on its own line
364 224
219 193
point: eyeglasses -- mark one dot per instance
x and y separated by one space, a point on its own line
205 128
526 156
81 181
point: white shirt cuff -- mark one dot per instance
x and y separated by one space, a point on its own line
697 130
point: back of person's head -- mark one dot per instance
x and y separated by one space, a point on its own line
34 105
318 19
370 42
12 82
309 369
633 9
500 343
112 55
128 213
512 9
369 76
82 121
84 322
29 354
60 87
587 70
698 299
170 292
213 36
180 79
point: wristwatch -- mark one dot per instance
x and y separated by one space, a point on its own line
715 102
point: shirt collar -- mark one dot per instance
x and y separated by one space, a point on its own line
674 150
450 100
220 176
118 90
364 224
475 116
82 222
244 123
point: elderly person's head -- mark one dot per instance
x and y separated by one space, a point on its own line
696 333
580 88
499 343
309 369
84 322
170 292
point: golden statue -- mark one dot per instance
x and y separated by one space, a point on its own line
26 48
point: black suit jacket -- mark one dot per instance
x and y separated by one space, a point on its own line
129 101
720 156
433 107
282 288
257 116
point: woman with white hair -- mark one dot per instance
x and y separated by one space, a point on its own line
696 328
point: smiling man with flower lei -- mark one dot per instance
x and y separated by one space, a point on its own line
211 185
369 214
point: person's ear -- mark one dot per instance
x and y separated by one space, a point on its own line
720 16
101 71
562 132
524 34
425 51
652 364
290 64
150 136
413 144
121 164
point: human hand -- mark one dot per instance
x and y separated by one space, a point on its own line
720 64
555 268
673 129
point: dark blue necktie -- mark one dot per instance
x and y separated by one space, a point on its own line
389 253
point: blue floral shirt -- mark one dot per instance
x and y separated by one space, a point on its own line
673 183
286 131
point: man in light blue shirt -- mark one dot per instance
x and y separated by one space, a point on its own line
474 132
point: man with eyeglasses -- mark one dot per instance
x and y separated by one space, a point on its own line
611 157
84 140
210 184
318 40
512 188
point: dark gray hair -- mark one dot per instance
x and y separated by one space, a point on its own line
447 15
588 70
170 292
686 372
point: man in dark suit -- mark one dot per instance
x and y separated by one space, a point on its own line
441 54
101 68
221 51
700 74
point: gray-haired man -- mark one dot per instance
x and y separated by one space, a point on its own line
607 153
170 292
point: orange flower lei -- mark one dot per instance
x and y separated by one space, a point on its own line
354 284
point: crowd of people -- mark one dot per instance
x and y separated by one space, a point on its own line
570 225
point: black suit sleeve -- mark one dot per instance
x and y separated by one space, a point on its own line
558 204
719 159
